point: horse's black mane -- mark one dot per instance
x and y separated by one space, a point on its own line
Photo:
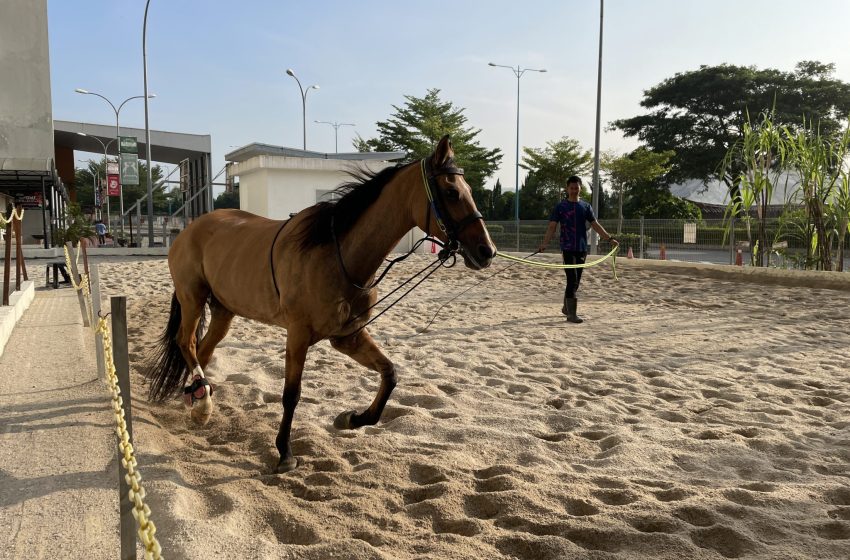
354 198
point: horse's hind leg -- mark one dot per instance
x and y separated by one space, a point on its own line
363 349
220 319
192 305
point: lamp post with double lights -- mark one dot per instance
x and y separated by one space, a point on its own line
336 126
518 72
105 165
117 112
304 93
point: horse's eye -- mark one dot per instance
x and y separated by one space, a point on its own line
452 195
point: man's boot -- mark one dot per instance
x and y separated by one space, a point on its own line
572 305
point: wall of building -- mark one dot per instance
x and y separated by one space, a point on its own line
26 118
277 186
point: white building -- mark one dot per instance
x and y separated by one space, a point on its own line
277 182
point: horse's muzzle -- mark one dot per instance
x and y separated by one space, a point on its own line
479 257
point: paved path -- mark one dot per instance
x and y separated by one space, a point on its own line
58 472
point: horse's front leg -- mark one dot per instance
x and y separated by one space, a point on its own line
363 349
297 344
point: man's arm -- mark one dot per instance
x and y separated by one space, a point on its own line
550 231
597 227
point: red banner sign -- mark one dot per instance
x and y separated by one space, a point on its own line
112 185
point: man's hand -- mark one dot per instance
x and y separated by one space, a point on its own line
613 242
542 248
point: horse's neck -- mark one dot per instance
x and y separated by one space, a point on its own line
379 229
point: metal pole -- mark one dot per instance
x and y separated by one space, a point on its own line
516 170
640 255
596 186
147 128
120 183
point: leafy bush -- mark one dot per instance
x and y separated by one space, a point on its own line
78 227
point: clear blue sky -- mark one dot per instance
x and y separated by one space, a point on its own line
218 68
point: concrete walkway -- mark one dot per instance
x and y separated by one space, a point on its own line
58 467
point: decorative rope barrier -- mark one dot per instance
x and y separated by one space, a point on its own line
15 215
136 493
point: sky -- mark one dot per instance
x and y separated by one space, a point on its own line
219 68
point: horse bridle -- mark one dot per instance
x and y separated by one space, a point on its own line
436 203
444 220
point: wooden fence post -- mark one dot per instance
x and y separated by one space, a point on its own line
76 276
7 270
20 255
95 309
121 359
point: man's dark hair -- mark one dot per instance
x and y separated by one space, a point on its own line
574 179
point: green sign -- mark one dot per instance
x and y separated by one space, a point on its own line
129 169
127 145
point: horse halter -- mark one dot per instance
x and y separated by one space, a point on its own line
445 222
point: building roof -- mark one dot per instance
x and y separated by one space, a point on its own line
166 147
256 149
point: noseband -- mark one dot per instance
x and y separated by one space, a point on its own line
451 228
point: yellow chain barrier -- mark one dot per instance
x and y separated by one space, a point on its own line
16 215
136 494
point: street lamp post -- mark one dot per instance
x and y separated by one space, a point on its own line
105 163
594 239
147 126
303 102
518 72
117 134
336 126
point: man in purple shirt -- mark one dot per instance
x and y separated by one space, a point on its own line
572 214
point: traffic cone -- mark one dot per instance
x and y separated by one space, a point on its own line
433 247
739 258
662 252
630 255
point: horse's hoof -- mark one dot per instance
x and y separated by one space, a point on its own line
286 465
343 421
200 416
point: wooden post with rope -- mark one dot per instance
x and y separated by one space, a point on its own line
76 276
121 359
95 310
7 270
20 264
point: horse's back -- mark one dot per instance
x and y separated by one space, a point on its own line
226 252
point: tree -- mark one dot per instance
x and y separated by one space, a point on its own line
653 200
84 185
627 170
700 114
548 170
416 127
227 200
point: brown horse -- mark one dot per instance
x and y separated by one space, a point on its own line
312 275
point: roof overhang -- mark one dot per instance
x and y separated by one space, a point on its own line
166 147
256 149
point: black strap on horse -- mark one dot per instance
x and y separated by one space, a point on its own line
271 256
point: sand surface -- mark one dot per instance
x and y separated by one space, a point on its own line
688 417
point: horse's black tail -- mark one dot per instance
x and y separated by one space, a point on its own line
167 370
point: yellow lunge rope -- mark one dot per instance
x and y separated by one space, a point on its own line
612 255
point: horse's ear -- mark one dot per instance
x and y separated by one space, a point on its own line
443 152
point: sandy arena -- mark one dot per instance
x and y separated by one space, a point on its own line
688 417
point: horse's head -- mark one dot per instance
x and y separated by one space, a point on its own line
451 214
